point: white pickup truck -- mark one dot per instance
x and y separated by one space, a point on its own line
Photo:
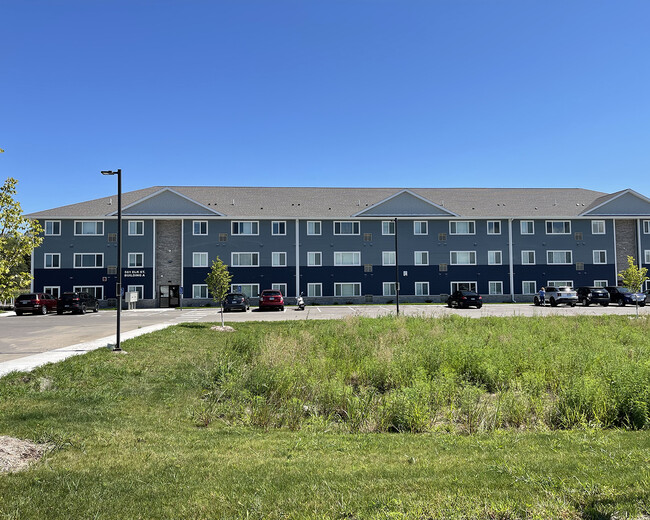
557 295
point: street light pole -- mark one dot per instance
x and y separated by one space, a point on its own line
118 285
396 270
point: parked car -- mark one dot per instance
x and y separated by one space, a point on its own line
557 295
36 303
465 299
271 299
235 301
78 302
589 295
622 296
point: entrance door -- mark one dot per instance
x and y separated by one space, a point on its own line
170 295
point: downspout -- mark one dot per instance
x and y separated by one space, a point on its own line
153 270
297 258
182 291
615 253
638 242
511 262
31 271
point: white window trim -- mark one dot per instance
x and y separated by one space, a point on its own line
232 258
282 287
200 222
355 223
320 228
553 251
340 284
389 222
470 263
74 261
47 289
500 262
523 284
52 255
422 284
51 234
597 252
646 227
646 256
135 222
273 258
470 283
194 256
313 285
471 223
521 227
383 258
420 253
559 283
132 288
392 289
195 286
89 234
134 266
601 283
320 258
234 287
280 223
546 223
426 227
238 234
490 287
84 288
534 262
495 222
358 258
593 222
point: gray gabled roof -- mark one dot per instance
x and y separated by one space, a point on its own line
323 203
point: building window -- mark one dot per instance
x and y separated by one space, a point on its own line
646 254
494 257
559 283
245 260
200 227
52 228
282 287
528 257
463 286
388 258
246 228
199 259
421 257
314 290
388 227
600 257
278 259
495 288
136 228
494 227
421 288
88 260
527 227
598 227
346 228
314 259
529 287
53 290
96 291
420 227
250 290
138 289
389 289
462 227
462 258
313 227
52 261
342 258
558 227
199 291
278 227
88 227
136 259
347 289
600 283
559 257
646 227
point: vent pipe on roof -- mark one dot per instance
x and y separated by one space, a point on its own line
110 202
233 202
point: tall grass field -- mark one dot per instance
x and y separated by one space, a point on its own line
409 418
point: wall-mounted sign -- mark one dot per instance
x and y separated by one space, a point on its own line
134 273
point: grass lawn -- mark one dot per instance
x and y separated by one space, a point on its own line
360 418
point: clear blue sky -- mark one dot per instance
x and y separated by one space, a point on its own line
467 93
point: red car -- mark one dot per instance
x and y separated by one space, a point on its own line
271 299
36 303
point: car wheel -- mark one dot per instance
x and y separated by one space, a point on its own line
96 308
536 301
553 302
449 303
641 304
621 302
586 302
83 309
19 313
282 309
59 312
605 304
479 306
43 310
573 305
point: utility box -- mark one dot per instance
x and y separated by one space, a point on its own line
131 298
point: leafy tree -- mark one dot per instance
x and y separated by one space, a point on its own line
218 281
18 238
634 276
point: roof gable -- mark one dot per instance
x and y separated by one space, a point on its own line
168 202
624 203
405 204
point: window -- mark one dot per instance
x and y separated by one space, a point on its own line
646 227
249 227
88 227
421 288
52 228
388 227
347 289
598 227
646 254
559 257
199 291
347 258
97 291
494 227
278 259
52 261
600 257
199 259
389 289
463 286
529 287
421 257
559 283
346 228
314 259
245 260
313 227
388 258
495 288
462 227
136 228
314 290
137 259
462 258
420 227
282 287
558 227
251 290
52 290
136 288
278 227
528 257
88 260
527 228
200 227
600 283
494 257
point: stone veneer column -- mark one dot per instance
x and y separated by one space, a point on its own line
625 242
168 253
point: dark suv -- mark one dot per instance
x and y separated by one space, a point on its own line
36 303
78 302
234 301
623 295
465 299
589 295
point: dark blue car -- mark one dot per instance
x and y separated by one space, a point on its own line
623 296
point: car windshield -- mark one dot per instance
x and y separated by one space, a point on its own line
231 297
272 293
624 290
565 289
468 293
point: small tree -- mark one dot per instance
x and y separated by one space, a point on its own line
18 238
218 281
634 276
